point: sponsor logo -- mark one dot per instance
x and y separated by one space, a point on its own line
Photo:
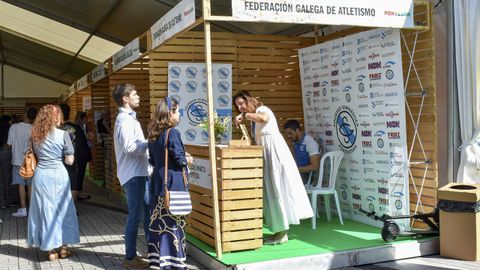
383 172
362 97
328 142
223 87
334 99
175 72
389 74
364 124
386 33
388 54
346 128
334 73
223 100
334 82
363 115
383 201
377 114
223 73
398 204
361 49
373 85
360 68
394 135
176 97
356 205
393 124
347 88
356 196
379 133
367 144
394 145
354 170
191 72
371 207
376 95
391 94
389 64
367 162
361 59
367 152
391 104
174 86
381 153
383 162
347 70
382 181
387 44
380 143
396 155
374 65
334 64
368 180
383 190
369 189
355 179
355 187
324 83
190 134
204 73
348 98
328 133
375 76
374 55
361 40
204 86
353 161
191 86
366 133
197 111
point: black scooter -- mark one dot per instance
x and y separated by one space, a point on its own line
390 229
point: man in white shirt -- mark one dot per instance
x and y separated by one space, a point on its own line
132 169
305 149
19 139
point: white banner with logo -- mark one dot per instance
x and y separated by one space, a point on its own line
178 18
98 73
126 55
187 83
82 82
353 97
379 13
200 173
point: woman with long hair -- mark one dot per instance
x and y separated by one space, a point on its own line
52 220
166 238
285 200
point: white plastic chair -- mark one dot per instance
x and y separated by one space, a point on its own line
335 159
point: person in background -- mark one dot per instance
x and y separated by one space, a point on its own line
5 123
19 140
305 149
52 219
285 199
74 132
166 238
103 126
83 155
132 169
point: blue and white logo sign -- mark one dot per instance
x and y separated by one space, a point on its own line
191 86
223 100
346 128
190 134
175 72
223 73
191 72
174 86
204 86
223 87
197 111
176 97
204 73
389 74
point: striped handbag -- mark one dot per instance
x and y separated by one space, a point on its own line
176 202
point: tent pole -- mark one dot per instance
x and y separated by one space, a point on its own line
211 134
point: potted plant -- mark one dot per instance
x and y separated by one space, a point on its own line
221 126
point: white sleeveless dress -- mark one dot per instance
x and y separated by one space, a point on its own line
285 200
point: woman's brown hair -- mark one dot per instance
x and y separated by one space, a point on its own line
252 103
47 119
162 118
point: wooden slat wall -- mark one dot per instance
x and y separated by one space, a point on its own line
29 102
137 73
100 103
265 65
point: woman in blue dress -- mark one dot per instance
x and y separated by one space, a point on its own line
52 220
166 238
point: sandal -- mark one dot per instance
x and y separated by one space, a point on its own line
52 255
65 252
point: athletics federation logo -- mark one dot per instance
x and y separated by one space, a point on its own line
175 72
223 73
197 111
174 86
346 128
191 72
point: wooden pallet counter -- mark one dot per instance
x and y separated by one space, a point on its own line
240 192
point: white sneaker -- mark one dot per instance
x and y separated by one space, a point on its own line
21 212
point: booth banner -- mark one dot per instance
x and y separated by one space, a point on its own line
178 18
126 55
379 13
71 90
200 173
187 82
82 82
98 73
353 97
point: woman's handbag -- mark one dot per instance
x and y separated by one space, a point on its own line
176 202
29 163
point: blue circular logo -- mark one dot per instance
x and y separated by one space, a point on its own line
223 86
398 204
348 98
223 100
344 195
190 134
371 207
389 74
324 91
361 87
204 73
175 72
204 86
197 111
223 73
380 143
191 86
191 72
204 134
346 128
176 97
174 86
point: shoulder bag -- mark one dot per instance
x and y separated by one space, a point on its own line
29 162
176 202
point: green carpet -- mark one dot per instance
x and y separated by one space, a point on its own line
303 241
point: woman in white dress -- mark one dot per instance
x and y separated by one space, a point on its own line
285 200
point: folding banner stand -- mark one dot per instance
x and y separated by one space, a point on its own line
422 93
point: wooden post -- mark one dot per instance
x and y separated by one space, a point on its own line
211 133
